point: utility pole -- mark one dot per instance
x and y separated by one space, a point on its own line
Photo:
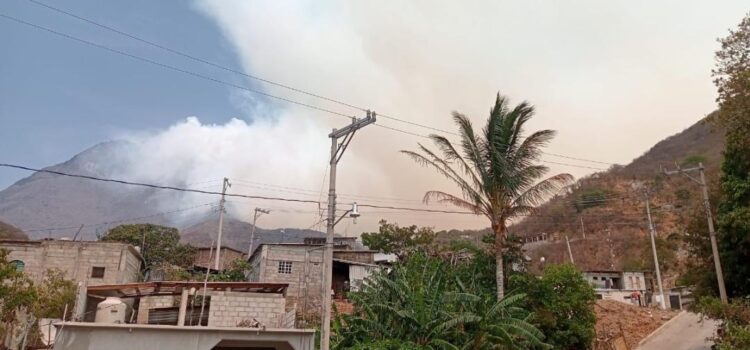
583 230
570 252
337 150
258 212
711 231
656 258
611 250
224 187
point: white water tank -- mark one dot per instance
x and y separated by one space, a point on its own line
111 310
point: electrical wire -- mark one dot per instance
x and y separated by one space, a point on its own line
119 220
173 68
255 77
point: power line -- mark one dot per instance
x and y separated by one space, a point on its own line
170 67
195 58
258 78
119 220
172 188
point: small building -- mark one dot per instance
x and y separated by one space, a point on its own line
205 257
89 262
626 287
183 315
300 266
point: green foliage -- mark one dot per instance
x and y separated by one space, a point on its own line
16 290
424 304
693 160
393 239
591 197
54 293
159 244
562 302
236 272
496 170
734 333
732 78
19 295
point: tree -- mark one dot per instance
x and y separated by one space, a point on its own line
16 289
393 239
494 170
423 304
53 294
563 304
236 272
159 244
732 78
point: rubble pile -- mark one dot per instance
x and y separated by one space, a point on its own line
614 319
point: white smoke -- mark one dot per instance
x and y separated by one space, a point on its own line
284 157
583 65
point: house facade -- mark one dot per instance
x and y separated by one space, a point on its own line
91 262
183 315
300 266
623 286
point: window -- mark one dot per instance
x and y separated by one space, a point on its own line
285 267
97 272
18 264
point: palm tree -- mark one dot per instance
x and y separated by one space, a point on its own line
495 170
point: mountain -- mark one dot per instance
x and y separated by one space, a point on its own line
236 234
47 205
11 232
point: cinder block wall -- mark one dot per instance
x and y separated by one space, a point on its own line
230 308
76 260
153 302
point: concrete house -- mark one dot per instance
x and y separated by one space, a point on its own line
300 266
91 262
626 287
183 315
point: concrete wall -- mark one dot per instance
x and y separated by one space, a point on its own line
228 309
633 281
76 259
304 279
81 336
154 302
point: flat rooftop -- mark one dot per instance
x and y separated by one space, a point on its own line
133 290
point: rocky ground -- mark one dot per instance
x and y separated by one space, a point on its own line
634 323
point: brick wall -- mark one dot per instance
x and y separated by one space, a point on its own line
76 260
230 308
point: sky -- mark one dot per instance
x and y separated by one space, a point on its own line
613 78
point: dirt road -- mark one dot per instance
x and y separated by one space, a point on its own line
685 332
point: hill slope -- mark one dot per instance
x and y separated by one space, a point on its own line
609 207
11 232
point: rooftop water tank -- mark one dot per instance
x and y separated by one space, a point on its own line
111 310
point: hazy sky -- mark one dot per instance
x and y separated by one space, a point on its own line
612 77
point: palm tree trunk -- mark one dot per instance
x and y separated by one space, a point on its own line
499 230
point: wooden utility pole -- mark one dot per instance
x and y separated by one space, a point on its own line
337 150
712 233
